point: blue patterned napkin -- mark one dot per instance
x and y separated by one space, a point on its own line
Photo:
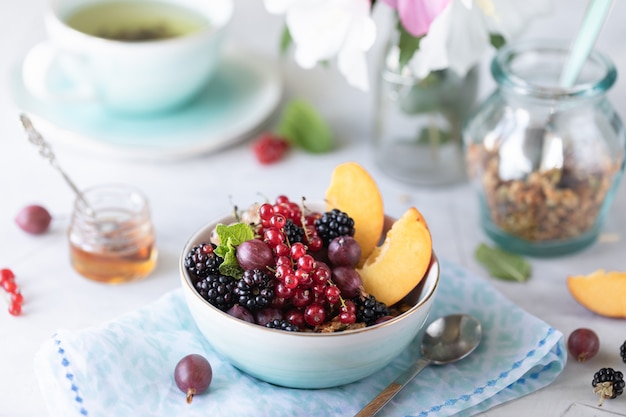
124 367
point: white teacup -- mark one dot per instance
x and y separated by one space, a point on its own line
93 52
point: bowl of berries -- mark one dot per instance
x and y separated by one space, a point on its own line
292 294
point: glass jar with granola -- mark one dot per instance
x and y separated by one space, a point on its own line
546 159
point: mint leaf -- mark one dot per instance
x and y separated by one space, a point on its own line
230 266
503 264
303 126
233 234
230 237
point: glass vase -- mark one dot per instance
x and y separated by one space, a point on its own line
545 159
418 122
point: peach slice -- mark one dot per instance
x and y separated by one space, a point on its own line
602 292
353 191
393 269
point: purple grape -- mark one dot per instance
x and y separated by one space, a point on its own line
266 315
193 375
348 281
583 344
33 219
255 254
241 313
383 319
344 251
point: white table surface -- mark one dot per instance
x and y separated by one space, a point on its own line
186 194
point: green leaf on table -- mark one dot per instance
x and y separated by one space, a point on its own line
231 236
503 264
304 127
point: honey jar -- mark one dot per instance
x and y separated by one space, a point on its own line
111 236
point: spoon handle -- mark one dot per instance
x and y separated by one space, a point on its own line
45 151
392 389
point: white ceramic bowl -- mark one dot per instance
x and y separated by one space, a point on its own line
306 360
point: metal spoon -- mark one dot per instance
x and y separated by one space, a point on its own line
447 339
45 151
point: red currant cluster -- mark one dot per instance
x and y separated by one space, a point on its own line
7 281
304 284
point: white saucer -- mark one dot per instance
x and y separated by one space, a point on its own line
245 92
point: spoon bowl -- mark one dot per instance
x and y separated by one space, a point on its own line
451 338
447 339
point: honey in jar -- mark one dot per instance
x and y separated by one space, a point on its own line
111 236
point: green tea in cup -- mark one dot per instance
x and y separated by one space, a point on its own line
134 21
133 57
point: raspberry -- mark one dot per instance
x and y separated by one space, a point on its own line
269 148
608 383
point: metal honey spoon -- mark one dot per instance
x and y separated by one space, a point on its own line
447 339
45 151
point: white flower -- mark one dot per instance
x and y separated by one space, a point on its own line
459 36
323 29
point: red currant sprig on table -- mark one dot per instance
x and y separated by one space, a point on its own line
7 281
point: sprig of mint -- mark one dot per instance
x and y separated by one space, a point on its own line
304 127
503 264
230 237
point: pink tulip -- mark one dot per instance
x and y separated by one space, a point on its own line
417 15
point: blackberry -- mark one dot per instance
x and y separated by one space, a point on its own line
622 351
201 261
608 383
254 290
218 290
368 309
332 224
282 325
293 232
